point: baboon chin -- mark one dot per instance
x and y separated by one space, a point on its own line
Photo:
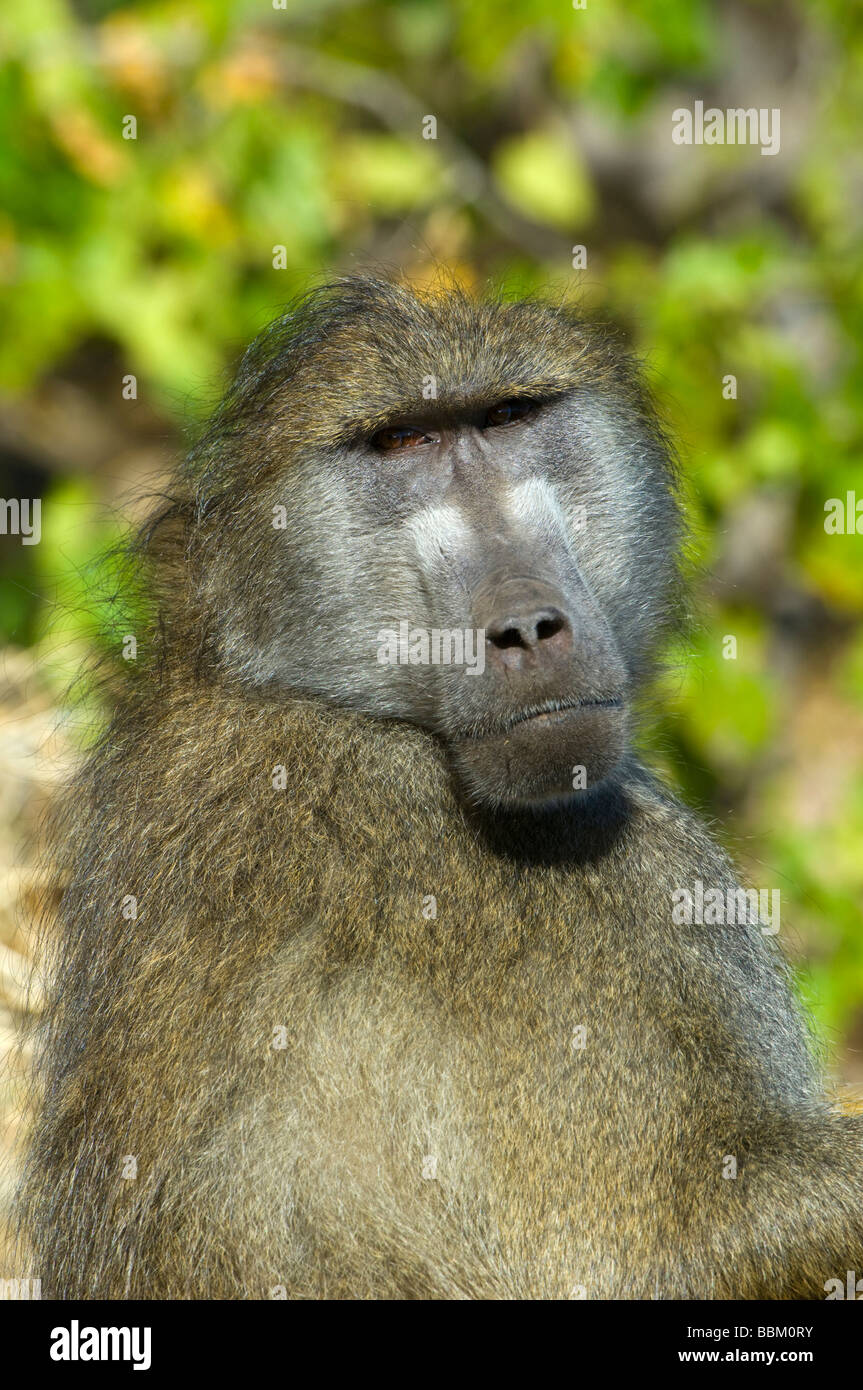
544 756
317 1024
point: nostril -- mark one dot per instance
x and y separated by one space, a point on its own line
550 626
508 637
527 633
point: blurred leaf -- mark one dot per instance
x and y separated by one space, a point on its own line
544 177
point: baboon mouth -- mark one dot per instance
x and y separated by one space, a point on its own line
546 712
552 749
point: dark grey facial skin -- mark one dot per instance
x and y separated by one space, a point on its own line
526 521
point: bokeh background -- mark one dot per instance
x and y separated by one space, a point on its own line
302 127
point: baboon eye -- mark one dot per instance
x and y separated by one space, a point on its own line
507 412
398 438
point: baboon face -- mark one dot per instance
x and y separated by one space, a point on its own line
481 546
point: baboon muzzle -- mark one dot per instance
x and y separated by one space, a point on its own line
553 717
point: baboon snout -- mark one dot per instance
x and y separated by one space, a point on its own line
554 707
527 627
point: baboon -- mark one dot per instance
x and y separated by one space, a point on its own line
368 982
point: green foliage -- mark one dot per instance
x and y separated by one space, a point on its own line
542 175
